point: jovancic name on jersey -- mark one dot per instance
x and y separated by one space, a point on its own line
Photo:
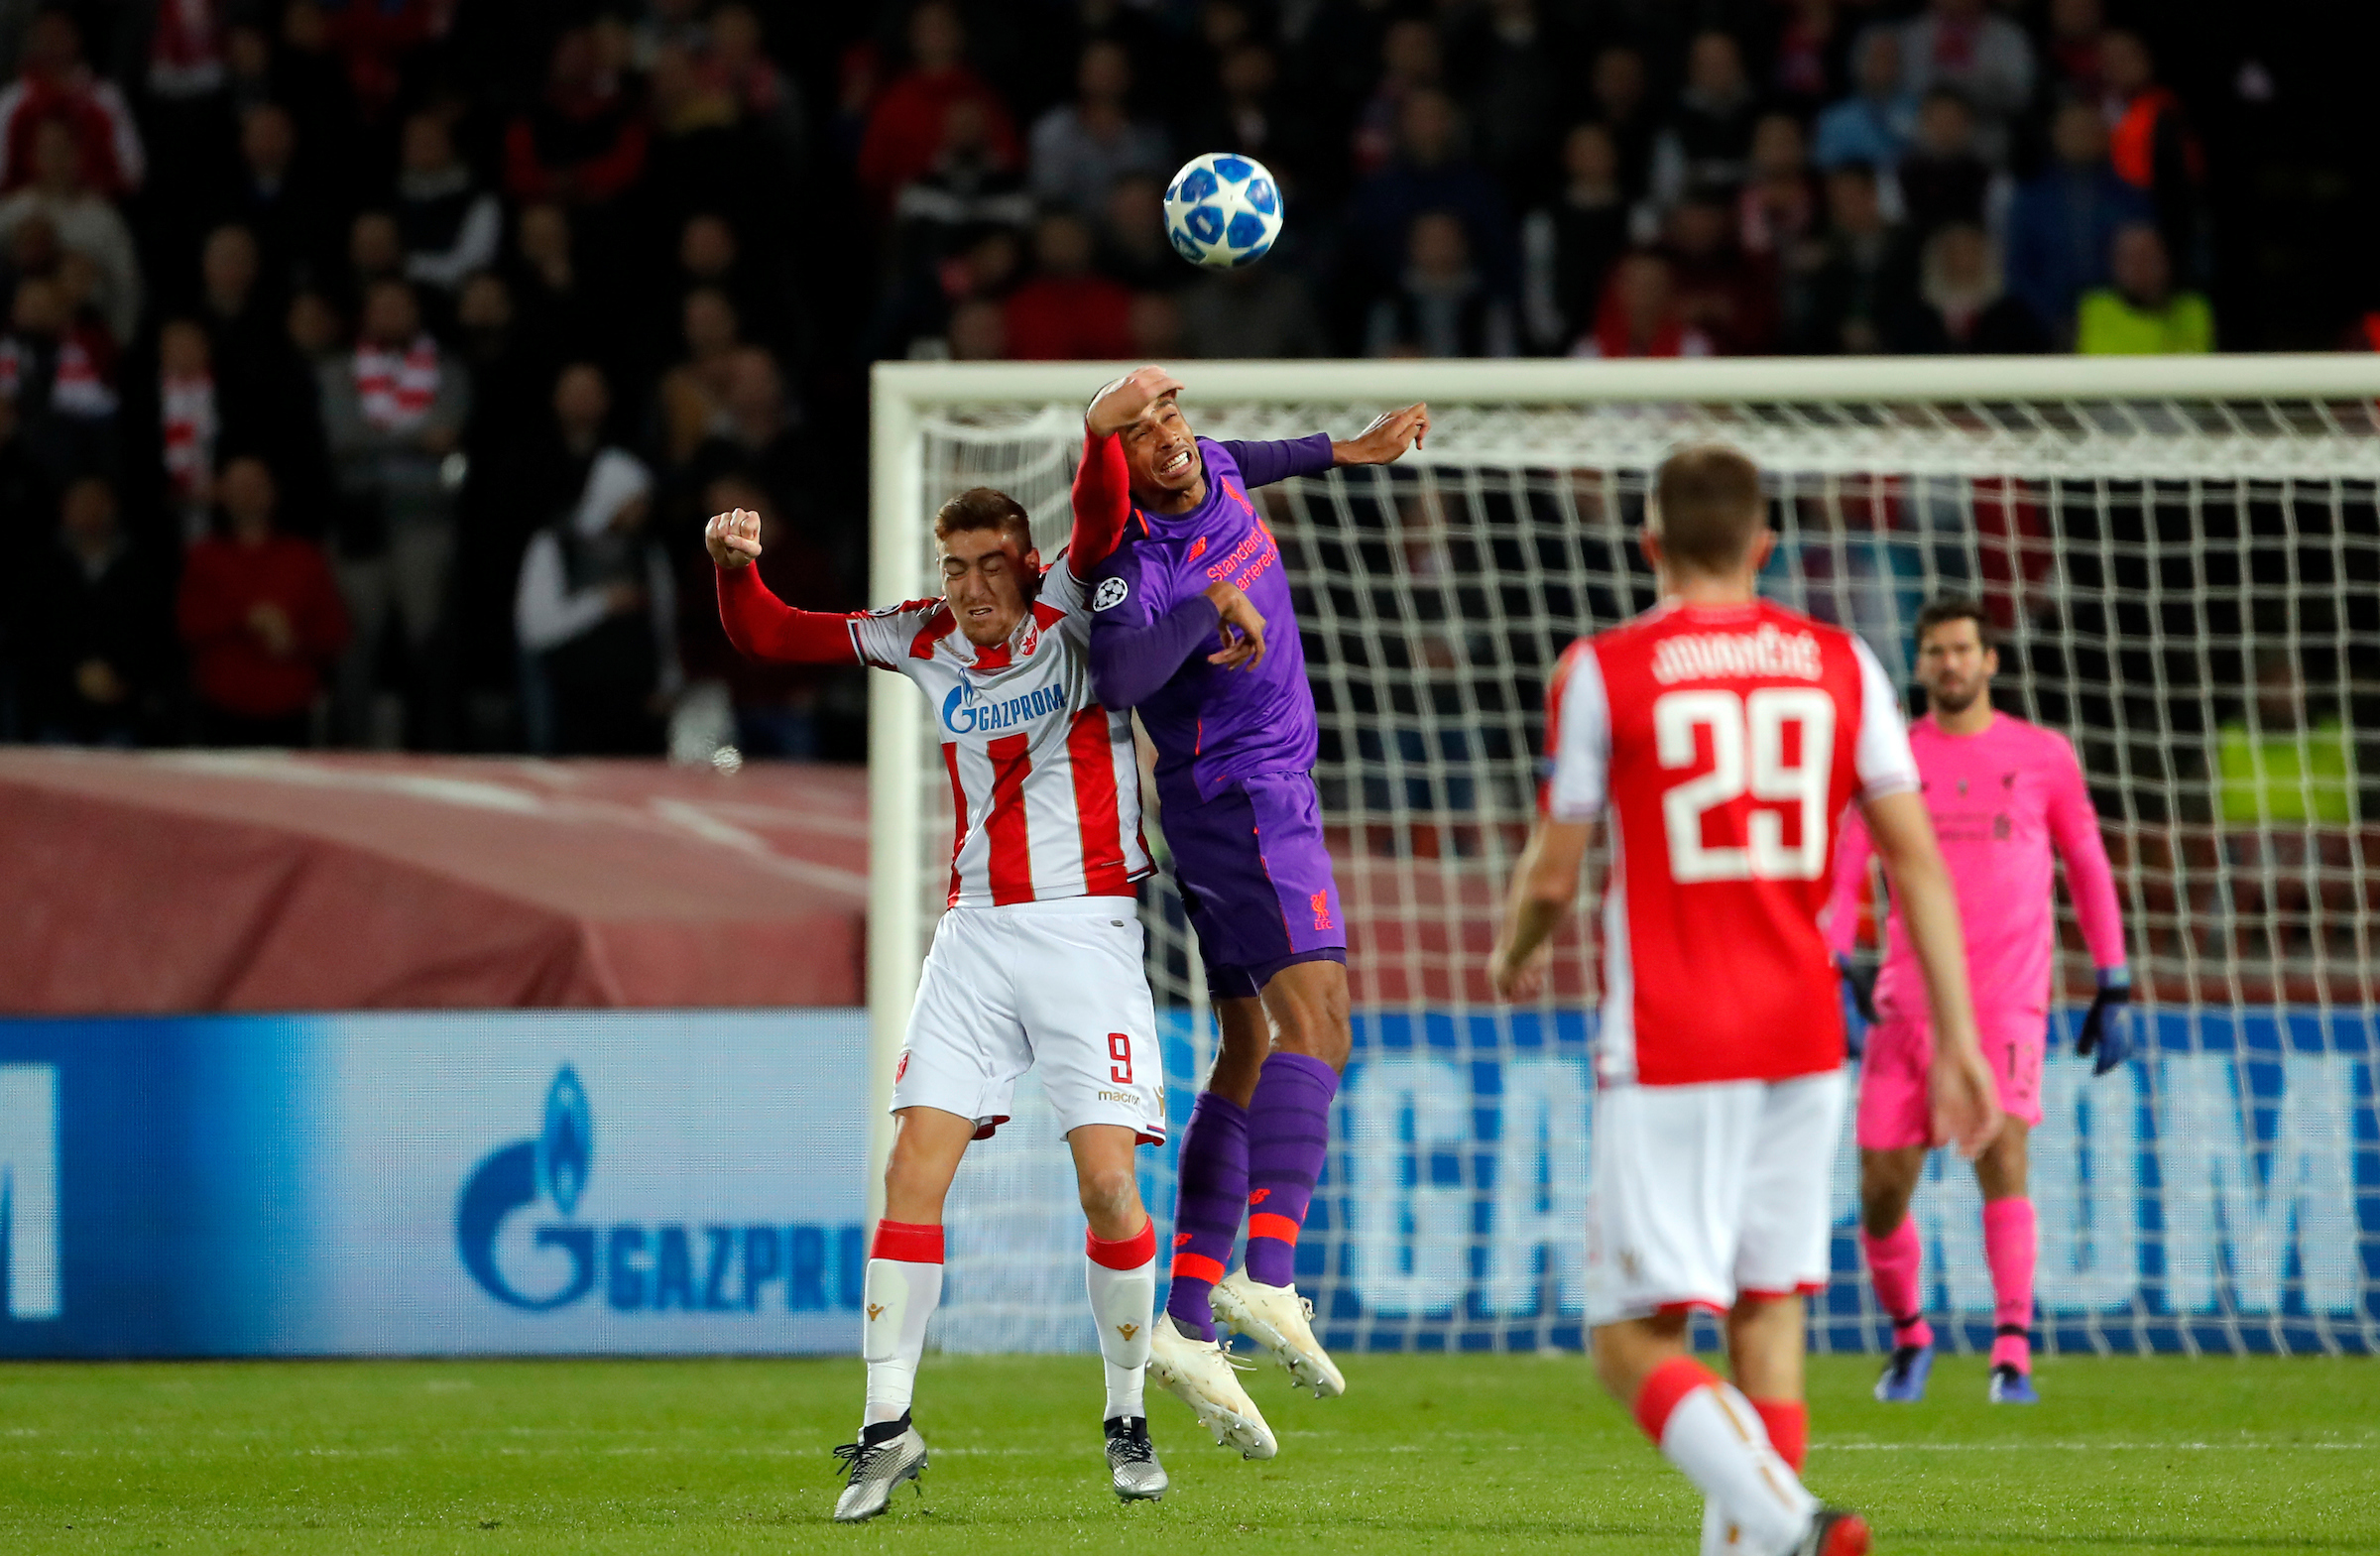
1713 655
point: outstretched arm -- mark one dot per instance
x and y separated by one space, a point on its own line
1390 435
1103 502
760 625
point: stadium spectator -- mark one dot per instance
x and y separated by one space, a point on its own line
1809 44
1081 148
1863 278
2277 766
450 227
1962 304
1942 179
2150 146
188 424
375 252
971 184
906 125
2061 227
84 223
1978 53
393 413
264 388
710 254
96 661
757 437
54 84
692 399
1430 172
582 142
978 332
768 96
2071 50
1624 105
1570 243
1442 306
278 197
28 502
1707 140
1505 67
1638 316
1777 212
1253 115
1257 312
59 369
1411 61
1155 326
1066 310
1133 246
776 705
261 619
1728 295
1875 125
557 312
598 608
2141 313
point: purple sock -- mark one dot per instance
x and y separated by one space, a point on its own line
1289 1134
1210 1191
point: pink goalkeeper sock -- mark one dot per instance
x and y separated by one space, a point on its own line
2009 1241
1893 1263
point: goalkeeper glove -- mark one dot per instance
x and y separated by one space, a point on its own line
1859 1006
2112 1028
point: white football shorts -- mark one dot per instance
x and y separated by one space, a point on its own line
1707 1193
1059 984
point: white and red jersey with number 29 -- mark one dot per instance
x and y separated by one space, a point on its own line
1721 744
1044 781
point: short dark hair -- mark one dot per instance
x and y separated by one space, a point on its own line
1707 506
984 507
1944 608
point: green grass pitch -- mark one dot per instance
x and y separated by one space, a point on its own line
1425 1454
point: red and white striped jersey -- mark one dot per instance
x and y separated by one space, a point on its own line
1043 780
1721 744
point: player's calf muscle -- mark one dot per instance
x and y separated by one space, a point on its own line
1887 1178
1307 1003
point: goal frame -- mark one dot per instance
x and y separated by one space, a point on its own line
903 393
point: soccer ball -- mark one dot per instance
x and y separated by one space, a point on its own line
1222 210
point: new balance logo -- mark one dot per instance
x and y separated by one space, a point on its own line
1128 1330
876 1310
1258 1196
1181 1240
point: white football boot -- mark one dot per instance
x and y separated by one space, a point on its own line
1204 1377
1283 1322
877 1470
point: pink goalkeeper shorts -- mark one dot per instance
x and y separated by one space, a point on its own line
1894 1108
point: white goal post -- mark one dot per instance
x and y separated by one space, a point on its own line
2183 557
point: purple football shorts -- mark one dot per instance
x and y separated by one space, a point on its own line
1257 880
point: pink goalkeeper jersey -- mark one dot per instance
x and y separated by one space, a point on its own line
2002 801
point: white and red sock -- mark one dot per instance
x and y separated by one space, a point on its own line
2010 1247
1713 1435
903 1285
1895 1264
1122 1279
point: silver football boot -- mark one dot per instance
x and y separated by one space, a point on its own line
1133 1460
886 1455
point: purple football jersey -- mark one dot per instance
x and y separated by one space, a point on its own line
1150 627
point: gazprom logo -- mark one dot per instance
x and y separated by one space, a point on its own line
709 1267
966 713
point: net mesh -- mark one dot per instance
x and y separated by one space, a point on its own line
2191 590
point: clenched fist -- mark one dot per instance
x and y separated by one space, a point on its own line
733 538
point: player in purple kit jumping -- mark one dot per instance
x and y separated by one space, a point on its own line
1192 627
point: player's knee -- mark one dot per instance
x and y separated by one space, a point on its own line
1108 1195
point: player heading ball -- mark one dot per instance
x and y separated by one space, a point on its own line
1039 960
1719 738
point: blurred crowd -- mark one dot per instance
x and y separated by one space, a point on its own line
368 366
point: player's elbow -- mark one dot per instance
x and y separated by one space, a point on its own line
1114 686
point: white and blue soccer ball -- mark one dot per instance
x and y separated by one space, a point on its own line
1222 210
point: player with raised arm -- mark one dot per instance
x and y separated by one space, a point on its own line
1719 738
1038 959
1192 627
2004 796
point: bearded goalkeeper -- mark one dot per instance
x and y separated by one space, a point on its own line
1192 627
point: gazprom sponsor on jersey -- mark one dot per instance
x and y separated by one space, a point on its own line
1715 655
690 1265
966 712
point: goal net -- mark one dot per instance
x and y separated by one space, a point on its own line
2183 562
